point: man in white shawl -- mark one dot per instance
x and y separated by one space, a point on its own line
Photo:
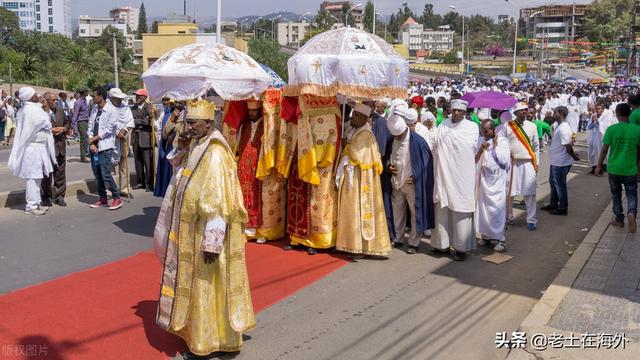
33 153
493 161
596 128
454 148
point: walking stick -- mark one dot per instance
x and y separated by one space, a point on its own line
126 166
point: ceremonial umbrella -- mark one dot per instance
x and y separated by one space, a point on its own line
276 80
489 99
187 72
350 62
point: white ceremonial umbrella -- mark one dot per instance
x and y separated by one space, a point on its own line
350 62
187 72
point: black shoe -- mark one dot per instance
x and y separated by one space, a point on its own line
46 202
60 202
311 251
436 251
83 160
548 207
459 256
558 212
398 245
412 250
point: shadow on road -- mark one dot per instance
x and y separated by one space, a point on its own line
142 224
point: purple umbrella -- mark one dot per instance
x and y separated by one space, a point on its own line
489 99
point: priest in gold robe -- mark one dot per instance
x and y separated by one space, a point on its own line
362 225
204 295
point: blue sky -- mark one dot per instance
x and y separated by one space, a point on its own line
239 8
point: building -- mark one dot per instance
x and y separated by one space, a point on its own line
129 15
334 8
181 30
437 40
50 16
291 34
504 19
553 24
415 38
92 27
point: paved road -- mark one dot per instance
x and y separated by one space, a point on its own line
407 307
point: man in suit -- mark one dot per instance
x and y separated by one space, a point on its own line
55 184
141 140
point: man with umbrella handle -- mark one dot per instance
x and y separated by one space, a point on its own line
522 135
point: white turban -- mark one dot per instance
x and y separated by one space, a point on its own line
398 107
26 93
396 124
458 104
411 116
484 114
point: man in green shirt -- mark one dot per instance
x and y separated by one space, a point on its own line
622 141
542 126
634 103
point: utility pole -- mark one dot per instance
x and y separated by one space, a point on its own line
219 23
115 60
185 8
10 81
634 29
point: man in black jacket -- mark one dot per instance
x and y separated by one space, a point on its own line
141 140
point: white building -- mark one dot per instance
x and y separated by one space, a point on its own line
92 27
52 16
291 34
129 14
416 38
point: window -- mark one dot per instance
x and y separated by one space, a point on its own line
37 7
82 31
50 2
50 29
23 23
50 20
23 5
10 5
38 17
50 11
38 26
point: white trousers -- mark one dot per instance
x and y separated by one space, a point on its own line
400 199
453 230
530 203
32 193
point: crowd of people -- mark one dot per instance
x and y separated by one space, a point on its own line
360 177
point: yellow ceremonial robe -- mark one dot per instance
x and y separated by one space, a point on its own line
362 224
208 305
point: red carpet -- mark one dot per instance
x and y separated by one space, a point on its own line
109 312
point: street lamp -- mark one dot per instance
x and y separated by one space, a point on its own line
541 43
300 21
385 28
346 15
273 34
462 36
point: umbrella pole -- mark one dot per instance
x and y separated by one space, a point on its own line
341 139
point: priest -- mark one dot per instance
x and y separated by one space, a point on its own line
204 295
411 170
362 228
455 147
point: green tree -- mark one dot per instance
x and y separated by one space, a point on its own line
268 52
154 27
429 19
142 21
9 28
368 17
323 20
607 20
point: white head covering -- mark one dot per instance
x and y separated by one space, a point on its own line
520 106
396 124
117 93
398 107
458 104
26 93
411 116
484 114
362 109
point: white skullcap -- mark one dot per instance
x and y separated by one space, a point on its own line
26 93
458 104
484 114
520 106
396 124
117 93
363 109
411 116
398 107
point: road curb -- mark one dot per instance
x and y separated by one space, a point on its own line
16 197
544 309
